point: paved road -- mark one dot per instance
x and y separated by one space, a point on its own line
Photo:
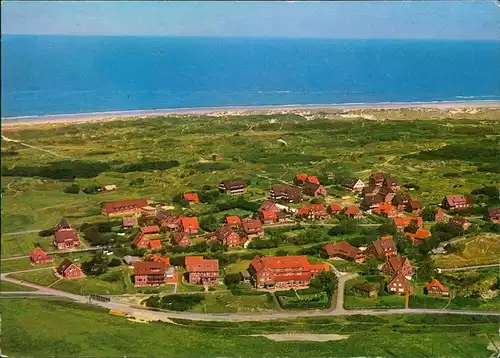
465 268
144 314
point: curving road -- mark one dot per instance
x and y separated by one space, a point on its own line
141 313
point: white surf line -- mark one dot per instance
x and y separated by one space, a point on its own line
33 147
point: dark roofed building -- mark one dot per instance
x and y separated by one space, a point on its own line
314 189
235 186
457 202
285 193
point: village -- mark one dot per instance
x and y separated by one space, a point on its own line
156 233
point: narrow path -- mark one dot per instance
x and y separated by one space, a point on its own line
140 313
21 232
91 248
33 147
465 268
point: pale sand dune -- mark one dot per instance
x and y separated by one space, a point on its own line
455 107
311 337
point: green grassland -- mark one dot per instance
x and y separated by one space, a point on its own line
482 249
6 286
354 300
230 303
20 265
40 277
399 336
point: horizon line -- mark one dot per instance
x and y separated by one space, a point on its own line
257 37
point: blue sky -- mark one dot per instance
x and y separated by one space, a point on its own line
356 19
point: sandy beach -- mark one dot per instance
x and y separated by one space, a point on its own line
242 110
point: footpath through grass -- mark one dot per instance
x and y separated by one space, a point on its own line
91 331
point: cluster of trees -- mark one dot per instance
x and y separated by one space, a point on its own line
148 166
72 189
99 233
67 169
211 167
212 246
326 281
99 264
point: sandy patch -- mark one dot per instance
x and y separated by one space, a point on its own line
359 115
302 337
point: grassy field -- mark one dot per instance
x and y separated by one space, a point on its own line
478 250
41 277
237 267
397 336
354 300
20 265
229 303
6 286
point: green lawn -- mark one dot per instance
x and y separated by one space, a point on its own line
237 267
90 285
91 331
352 302
229 303
41 277
20 265
6 286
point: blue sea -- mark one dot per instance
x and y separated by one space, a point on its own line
48 75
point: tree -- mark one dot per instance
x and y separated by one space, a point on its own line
428 214
346 226
96 266
232 279
72 189
403 244
91 189
425 269
412 227
114 262
388 228
209 223
281 253
327 281
318 200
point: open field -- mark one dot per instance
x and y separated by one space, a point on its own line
354 300
403 336
229 303
20 265
41 277
478 250
6 286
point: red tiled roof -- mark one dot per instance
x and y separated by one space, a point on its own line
233 220
301 177
384 209
397 262
63 235
343 248
421 234
190 260
312 179
149 268
383 245
38 252
306 209
268 206
191 197
117 206
138 239
454 200
165 260
204 266
298 277
438 284
155 244
189 223
335 207
279 262
351 210
251 224
271 215
179 236
404 222
150 229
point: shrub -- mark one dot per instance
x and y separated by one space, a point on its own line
72 189
175 302
67 169
136 182
115 261
112 276
47 232
148 166
232 279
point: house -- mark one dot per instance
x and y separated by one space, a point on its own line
285 193
401 223
165 260
353 212
439 215
344 251
387 194
334 208
400 285
461 223
201 271
382 248
148 211
111 187
68 269
419 237
413 207
130 260
314 189
181 239
436 288
155 244
65 237
149 231
313 212
129 222
377 178
354 184
365 289
141 241
369 190
227 236
391 183
165 220
235 186
283 271
493 214
397 264
300 179
252 228
123 207
371 202
269 206
400 200
312 179
149 273
233 221
456 202
386 210
191 198
189 225
267 217
38 256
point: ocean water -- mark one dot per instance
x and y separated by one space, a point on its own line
46 75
